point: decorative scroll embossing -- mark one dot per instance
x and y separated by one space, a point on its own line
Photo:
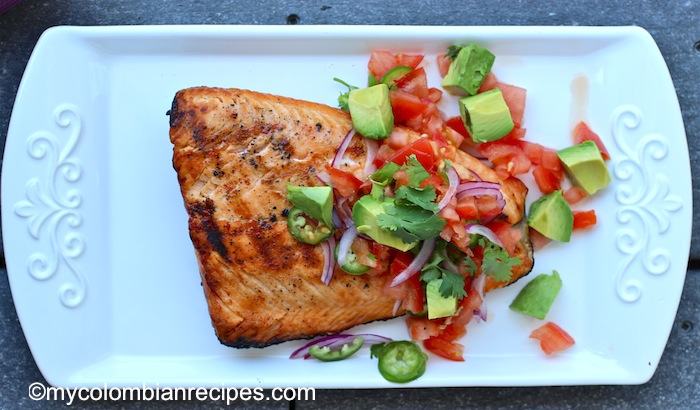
52 208
645 201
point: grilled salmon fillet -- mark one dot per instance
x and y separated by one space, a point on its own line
234 151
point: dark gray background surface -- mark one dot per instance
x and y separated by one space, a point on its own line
675 25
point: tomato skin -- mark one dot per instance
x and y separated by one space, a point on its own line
447 349
422 328
443 64
547 181
574 194
552 338
584 219
582 132
344 182
421 148
467 306
406 106
409 292
382 61
415 82
490 82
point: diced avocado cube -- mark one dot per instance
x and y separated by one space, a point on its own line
316 202
551 216
468 70
585 166
370 110
537 297
486 116
438 305
365 213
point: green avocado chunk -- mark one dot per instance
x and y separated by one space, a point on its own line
551 216
438 305
585 166
486 116
370 110
365 213
537 297
316 202
468 70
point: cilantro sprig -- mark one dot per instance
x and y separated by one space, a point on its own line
412 214
343 97
452 282
497 263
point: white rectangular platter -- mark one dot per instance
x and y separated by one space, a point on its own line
103 273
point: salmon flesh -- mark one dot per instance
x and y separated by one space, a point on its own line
234 152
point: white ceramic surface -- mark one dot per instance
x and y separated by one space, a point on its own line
103 273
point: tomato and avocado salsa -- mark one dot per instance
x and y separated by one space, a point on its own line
435 234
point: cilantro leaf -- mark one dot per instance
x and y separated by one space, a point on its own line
411 223
384 175
343 97
452 283
497 263
452 51
415 171
423 198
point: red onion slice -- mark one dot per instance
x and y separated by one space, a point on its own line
453 181
324 177
344 245
343 147
328 260
415 266
477 229
334 341
344 211
397 306
372 147
480 188
478 285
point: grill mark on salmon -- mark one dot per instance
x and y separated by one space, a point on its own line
234 151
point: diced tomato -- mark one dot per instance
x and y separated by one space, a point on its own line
518 133
467 306
421 148
448 350
457 124
490 82
443 64
488 207
361 248
574 194
499 151
406 106
383 254
409 292
515 100
547 181
467 209
552 338
436 181
507 233
422 328
385 151
398 138
538 240
415 83
382 61
582 132
453 332
345 182
434 95
584 219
